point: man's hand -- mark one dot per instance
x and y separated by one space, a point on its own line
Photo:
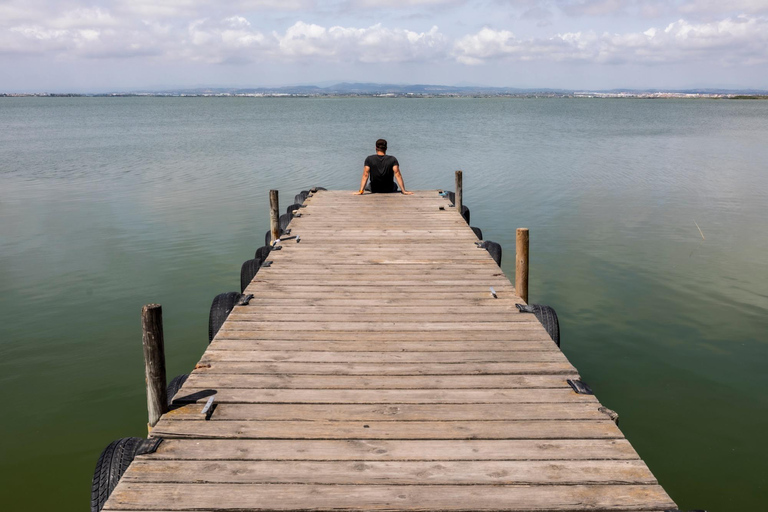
358 193
407 193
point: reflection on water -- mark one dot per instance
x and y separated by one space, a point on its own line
107 204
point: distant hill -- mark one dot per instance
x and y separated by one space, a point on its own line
420 90
367 89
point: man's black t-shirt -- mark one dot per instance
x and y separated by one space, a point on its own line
382 173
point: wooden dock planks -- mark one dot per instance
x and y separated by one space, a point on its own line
373 370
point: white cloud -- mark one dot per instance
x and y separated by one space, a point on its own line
648 8
201 8
743 39
97 32
596 7
402 4
724 6
374 44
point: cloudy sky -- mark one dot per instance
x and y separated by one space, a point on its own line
97 45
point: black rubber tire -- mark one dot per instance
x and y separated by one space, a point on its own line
495 251
175 385
249 269
113 462
320 188
262 253
292 209
300 197
548 319
283 221
478 233
465 213
221 307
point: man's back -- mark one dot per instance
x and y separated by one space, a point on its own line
382 173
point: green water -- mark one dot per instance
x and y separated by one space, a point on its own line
110 203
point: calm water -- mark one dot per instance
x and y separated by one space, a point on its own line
108 204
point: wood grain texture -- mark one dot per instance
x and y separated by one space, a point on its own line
374 370
193 496
425 450
393 472
396 412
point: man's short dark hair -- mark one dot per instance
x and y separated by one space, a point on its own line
381 145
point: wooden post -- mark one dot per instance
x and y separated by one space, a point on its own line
274 215
154 362
459 191
521 264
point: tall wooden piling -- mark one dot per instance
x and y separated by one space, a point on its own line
521 263
459 191
154 361
274 215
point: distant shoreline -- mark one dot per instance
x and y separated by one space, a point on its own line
575 95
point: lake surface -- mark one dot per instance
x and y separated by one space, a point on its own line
107 204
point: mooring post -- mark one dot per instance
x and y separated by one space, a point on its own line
459 192
154 362
521 263
274 215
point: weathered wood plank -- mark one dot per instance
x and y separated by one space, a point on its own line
387 357
382 345
398 412
208 379
511 336
254 315
428 450
231 362
383 396
393 472
523 429
130 495
394 325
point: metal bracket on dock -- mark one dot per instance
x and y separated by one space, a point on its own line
267 264
148 445
613 415
244 299
525 308
481 245
580 387
208 409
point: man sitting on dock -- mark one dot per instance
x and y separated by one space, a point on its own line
382 168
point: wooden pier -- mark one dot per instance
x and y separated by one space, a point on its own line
374 370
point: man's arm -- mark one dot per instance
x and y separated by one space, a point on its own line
399 178
366 173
